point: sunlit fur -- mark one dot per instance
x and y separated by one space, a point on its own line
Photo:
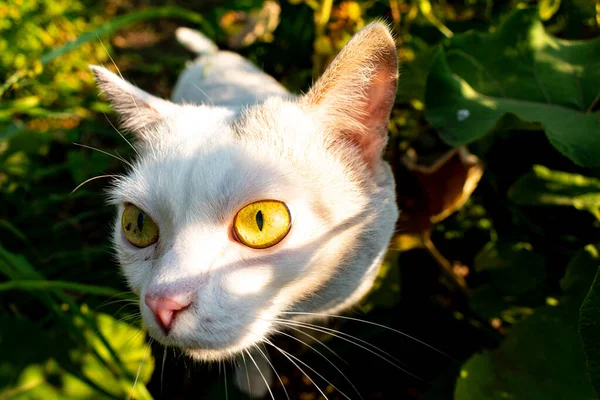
205 158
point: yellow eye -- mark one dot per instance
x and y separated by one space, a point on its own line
262 224
138 227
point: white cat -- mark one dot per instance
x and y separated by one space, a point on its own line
247 206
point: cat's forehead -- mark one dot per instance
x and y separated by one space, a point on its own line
209 167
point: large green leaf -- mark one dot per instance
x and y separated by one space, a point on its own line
515 271
541 357
514 267
135 354
589 326
519 70
543 186
416 61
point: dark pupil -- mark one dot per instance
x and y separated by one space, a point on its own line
140 221
259 220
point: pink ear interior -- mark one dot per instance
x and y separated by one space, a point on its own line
355 95
380 96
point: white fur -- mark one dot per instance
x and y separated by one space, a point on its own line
200 164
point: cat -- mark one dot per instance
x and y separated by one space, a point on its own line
248 207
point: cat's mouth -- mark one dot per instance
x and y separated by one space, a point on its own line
207 339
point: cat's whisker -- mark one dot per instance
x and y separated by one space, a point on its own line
93 178
136 304
322 355
225 375
374 324
288 355
274 370
320 342
204 93
137 375
162 371
338 334
246 369
104 152
130 317
134 336
261 374
108 302
341 335
120 134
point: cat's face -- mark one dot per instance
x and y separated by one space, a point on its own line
224 221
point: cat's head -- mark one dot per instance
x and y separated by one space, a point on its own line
226 221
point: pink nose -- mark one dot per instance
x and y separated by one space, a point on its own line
165 310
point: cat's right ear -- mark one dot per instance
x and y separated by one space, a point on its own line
354 97
139 111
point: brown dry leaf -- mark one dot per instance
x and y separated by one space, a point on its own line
442 188
438 189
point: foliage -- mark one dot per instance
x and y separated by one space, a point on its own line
518 70
494 143
542 356
590 314
543 186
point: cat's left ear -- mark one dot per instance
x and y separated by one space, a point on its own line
138 110
355 95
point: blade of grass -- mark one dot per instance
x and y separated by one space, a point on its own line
62 285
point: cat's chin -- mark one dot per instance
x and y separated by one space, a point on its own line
207 349
210 355
209 352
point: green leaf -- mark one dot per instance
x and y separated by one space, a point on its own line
16 267
548 8
488 302
478 78
52 366
416 61
546 187
541 357
515 273
130 344
589 328
514 268
40 370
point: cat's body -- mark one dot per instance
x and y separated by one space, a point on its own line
222 78
242 138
